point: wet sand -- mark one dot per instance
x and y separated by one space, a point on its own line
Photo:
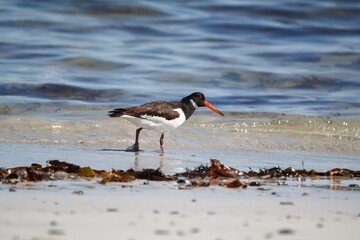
247 140
81 209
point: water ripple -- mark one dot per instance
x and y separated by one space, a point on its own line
292 56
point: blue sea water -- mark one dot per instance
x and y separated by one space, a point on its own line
298 57
257 61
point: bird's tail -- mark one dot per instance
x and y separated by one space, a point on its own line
118 112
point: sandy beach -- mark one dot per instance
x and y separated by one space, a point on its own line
323 207
285 74
160 210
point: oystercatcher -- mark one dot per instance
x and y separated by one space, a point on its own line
162 116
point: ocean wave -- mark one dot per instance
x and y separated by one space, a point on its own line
59 92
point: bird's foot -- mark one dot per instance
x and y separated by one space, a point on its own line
133 148
162 151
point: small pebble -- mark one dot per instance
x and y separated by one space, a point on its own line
112 210
174 213
161 232
56 232
78 192
194 230
286 231
180 233
53 223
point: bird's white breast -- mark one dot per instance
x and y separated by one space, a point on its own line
157 123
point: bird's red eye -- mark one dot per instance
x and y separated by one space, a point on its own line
201 97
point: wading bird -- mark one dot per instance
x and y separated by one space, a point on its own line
162 116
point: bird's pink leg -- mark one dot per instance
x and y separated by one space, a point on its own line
135 147
162 143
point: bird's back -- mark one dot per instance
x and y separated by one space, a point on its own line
156 108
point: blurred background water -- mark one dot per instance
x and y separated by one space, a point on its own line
261 61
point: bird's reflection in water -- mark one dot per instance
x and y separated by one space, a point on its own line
140 161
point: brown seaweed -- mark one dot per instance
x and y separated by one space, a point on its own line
201 176
236 183
153 175
219 169
198 172
56 165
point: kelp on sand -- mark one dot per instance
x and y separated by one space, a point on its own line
201 176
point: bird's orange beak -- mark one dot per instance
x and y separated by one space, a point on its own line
207 104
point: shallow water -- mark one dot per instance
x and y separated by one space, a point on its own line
286 74
240 140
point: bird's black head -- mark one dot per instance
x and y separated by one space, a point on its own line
197 99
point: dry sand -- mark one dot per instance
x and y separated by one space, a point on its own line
156 210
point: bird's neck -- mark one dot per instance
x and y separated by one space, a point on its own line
188 109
